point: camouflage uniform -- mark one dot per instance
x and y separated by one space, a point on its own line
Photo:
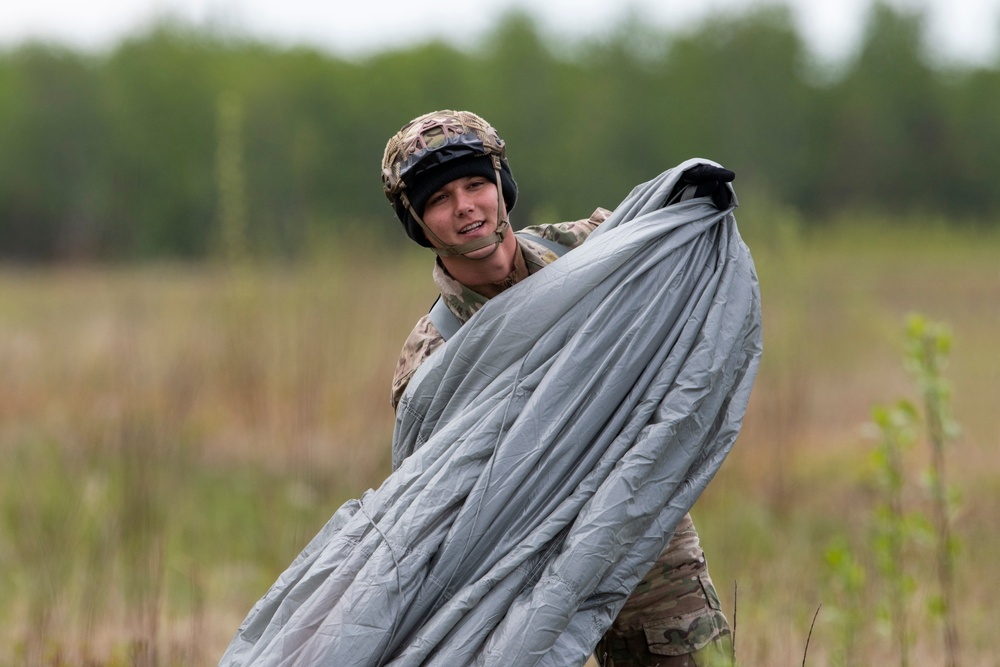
673 618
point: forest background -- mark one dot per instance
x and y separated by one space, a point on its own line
115 155
203 292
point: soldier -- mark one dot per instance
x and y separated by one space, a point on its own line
447 177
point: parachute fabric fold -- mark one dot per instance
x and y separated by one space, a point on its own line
543 458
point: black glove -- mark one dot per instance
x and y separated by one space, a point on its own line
708 181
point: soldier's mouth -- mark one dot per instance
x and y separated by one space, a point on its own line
471 228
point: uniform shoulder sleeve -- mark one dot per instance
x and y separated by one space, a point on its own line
569 234
419 345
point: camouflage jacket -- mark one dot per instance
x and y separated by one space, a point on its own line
463 302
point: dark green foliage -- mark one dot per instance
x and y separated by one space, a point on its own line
114 155
52 133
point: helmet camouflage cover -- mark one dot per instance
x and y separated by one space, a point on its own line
432 140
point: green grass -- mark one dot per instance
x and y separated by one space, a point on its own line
171 436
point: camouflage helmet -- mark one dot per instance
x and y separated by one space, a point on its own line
434 149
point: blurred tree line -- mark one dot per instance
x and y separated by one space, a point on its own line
181 137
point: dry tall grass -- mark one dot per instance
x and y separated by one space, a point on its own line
171 436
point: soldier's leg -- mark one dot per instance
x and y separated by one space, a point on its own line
673 618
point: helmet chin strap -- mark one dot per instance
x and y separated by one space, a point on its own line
442 249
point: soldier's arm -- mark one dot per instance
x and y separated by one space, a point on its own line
569 234
419 345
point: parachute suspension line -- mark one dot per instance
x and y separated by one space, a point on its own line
399 581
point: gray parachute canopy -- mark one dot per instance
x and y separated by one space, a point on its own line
545 455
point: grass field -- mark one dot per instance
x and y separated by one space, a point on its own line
172 435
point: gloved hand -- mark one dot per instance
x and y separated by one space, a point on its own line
708 181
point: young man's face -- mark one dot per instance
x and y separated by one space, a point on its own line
464 210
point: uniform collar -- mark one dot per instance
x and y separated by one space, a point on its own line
463 301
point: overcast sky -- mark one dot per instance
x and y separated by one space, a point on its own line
965 30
